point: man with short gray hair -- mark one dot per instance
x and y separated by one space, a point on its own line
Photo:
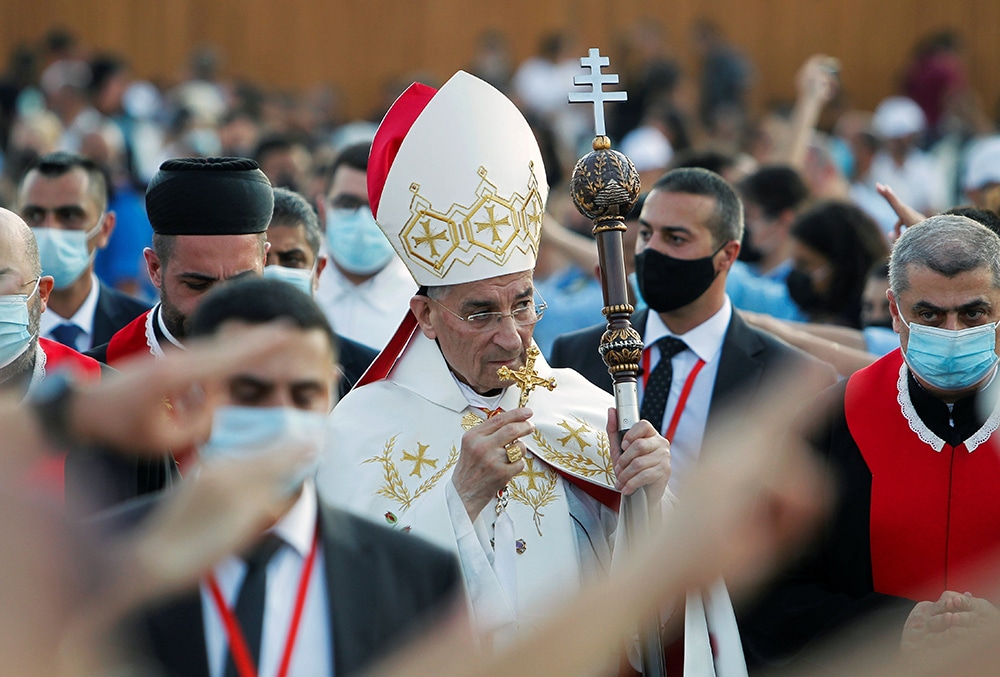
912 444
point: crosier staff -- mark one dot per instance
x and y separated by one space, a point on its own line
605 187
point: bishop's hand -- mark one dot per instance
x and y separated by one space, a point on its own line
642 459
483 467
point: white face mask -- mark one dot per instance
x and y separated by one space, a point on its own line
64 253
300 278
240 432
355 242
14 318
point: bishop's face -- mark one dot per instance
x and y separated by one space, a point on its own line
475 355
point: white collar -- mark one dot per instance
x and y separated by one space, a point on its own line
705 340
83 317
163 327
37 371
477 400
298 526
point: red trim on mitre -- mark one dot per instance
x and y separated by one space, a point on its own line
389 137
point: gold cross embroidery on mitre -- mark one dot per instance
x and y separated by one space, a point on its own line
526 378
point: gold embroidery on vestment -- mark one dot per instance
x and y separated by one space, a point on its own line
534 488
491 227
394 487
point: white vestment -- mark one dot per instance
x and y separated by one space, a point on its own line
391 449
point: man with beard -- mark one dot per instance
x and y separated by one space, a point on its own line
209 218
25 357
700 354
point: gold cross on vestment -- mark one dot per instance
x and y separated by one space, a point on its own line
574 435
532 474
526 378
419 460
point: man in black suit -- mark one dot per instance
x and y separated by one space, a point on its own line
64 199
690 230
370 589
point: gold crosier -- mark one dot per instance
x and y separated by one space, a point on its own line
526 379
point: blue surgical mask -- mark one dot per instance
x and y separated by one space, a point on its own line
300 278
355 241
64 253
14 335
948 359
240 432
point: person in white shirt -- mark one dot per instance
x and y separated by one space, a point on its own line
352 591
366 291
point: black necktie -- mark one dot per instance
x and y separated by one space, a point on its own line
66 334
250 603
657 390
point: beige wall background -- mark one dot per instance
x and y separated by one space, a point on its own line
360 44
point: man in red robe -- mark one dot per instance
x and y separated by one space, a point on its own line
25 358
912 443
209 218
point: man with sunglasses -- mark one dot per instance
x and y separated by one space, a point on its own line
460 431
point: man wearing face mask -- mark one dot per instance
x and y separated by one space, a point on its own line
322 592
689 237
63 198
294 257
25 357
912 441
367 290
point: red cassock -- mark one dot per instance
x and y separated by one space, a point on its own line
934 513
48 474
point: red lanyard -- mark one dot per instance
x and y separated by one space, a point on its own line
238 643
685 391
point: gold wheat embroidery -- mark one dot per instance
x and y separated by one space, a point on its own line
579 463
393 487
535 489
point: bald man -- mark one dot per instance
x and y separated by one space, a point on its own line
25 358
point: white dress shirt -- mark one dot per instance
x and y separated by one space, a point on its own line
313 651
703 342
369 312
83 318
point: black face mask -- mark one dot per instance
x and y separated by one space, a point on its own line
667 283
803 293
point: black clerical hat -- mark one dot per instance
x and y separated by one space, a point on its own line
209 196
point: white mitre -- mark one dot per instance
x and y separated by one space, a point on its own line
457 184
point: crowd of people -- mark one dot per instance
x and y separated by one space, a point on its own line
285 393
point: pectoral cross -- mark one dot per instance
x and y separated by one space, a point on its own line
596 80
526 378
